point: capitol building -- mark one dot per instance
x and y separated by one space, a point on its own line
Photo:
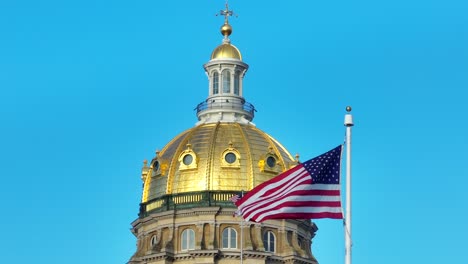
185 214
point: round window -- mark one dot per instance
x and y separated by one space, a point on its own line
271 161
230 157
188 159
156 166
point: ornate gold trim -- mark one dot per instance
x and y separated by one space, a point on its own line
234 165
193 164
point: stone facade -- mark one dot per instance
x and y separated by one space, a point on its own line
160 238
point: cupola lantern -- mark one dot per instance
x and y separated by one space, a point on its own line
225 71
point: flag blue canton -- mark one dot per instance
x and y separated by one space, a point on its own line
325 169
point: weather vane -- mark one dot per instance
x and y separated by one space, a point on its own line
226 13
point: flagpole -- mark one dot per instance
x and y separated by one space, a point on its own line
242 242
242 237
348 123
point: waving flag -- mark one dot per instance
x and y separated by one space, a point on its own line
310 190
235 198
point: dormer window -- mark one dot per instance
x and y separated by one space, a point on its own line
230 157
271 162
226 81
188 159
156 166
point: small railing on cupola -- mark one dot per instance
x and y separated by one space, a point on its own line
227 104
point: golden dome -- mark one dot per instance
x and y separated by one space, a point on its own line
226 51
215 157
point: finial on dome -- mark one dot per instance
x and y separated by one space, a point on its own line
270 149
226 29
226 13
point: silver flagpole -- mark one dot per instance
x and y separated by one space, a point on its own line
242 242
348 123
242 237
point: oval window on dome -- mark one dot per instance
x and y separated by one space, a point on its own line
156 166
187 160
271 162
230 158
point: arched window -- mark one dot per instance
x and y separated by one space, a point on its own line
229 238
269 241
215 83
188 240
226 82
154 240
236 83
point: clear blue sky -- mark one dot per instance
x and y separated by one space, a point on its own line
88 89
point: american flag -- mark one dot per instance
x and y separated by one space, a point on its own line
310 190
235 198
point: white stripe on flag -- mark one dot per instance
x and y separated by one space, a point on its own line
309 210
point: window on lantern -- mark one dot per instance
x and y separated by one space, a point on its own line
236 83
269 241
188 240
226 82
215 83
229 238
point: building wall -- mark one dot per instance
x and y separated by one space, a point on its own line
159 238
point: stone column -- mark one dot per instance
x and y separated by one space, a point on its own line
296 246
199 236
247 236
210 238
286 247
257 237
169 244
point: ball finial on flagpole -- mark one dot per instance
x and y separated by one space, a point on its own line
348 117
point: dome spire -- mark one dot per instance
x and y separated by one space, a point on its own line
226 28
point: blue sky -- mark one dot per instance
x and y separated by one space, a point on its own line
89 89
